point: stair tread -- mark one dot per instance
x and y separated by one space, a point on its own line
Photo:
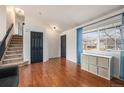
14 63
13 50
13 55
13 59
16 49
7 62
15 44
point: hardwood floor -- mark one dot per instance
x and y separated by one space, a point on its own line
59 72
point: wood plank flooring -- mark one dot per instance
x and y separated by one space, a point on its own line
60 72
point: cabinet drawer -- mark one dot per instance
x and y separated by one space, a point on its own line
103 72
84 59
93 60
84 66
103 62
93 69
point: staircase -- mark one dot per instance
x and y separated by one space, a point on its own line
14 52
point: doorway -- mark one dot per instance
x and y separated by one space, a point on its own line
36 47
63 46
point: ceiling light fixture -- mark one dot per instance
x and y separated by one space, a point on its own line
53 27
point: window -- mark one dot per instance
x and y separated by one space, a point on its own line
103 40
118 39
107 39
110 39
90 41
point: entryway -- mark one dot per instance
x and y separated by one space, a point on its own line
63 46
36 47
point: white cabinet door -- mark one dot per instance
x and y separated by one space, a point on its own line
103 72
103 62
93 60
84 66
84 59
93 69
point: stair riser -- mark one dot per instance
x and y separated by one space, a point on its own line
16 42
13 39
18 36
17 39
13 49
15 45
19 43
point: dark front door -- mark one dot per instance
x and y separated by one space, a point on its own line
63 46
36 47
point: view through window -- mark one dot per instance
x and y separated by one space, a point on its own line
90 41
103 40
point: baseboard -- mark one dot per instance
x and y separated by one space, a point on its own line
54 57
24 63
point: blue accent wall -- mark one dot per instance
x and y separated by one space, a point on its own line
122 50
79 44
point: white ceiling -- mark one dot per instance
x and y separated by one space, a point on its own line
66 17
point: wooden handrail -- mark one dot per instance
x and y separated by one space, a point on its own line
3 42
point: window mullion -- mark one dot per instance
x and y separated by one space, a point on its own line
98 40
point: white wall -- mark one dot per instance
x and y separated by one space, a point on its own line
10 19
10 16
19 19
32 24
70 44
53 43
50 39
2 22
6 19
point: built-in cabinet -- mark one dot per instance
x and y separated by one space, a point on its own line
100 65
